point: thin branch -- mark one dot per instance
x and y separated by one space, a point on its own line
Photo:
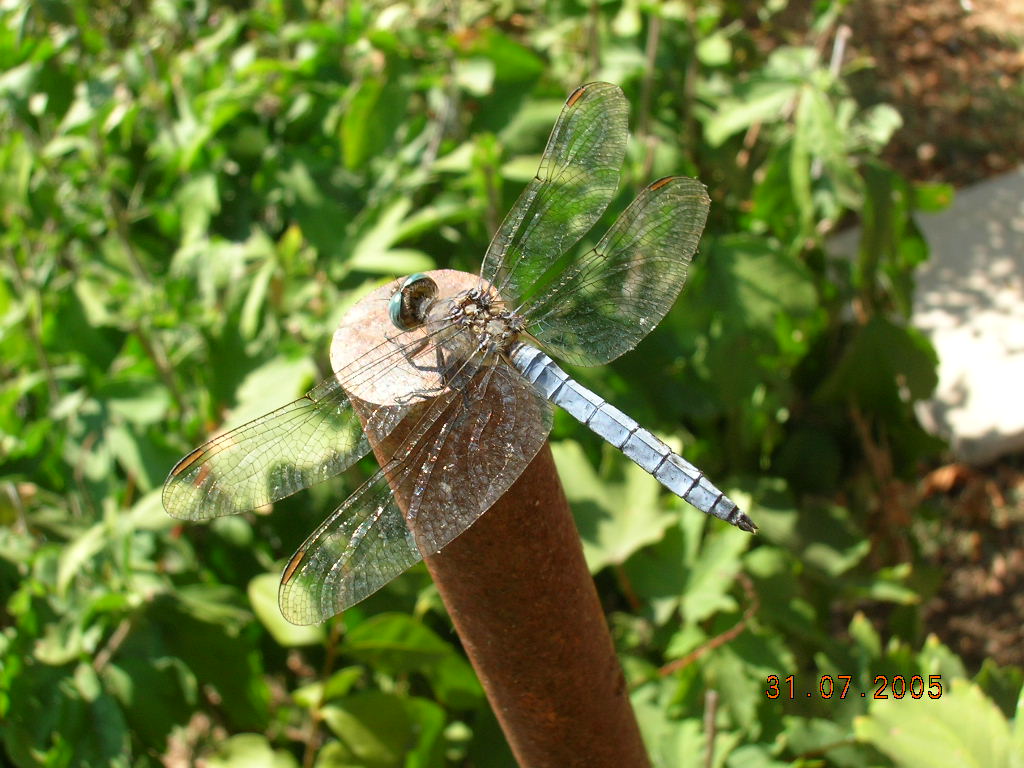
723 638
835 64
891 501
626 586
593 41
710 729
643 129
114 642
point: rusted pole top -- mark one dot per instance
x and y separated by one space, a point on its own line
519 593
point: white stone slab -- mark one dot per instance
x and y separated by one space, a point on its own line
970 302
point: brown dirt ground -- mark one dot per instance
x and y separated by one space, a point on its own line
976 538
955 75
955 71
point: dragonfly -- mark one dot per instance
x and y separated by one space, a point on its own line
477 405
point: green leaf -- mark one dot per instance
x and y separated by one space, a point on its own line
249 750
65 640
810 105
615 516
395 643
715 50
811 459
429 721
891 245
513 63
712 575
430 217
248 323
374 113
688 571
671 741
455 684
658 573
824 538
198 200
748 285
137 400
759 101
394 261
17 81
812 735
960 729
883 367
216 652
60 712
865 637
372 249
751 281
156 694
520 169
376 730
876 125
475 75
333 754
78 553
138 455
263 597
937 659
1017 736
275 383
933 197
339 684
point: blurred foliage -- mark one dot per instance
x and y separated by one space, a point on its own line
193 194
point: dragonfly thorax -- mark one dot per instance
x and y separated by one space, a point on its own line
475 319
484 316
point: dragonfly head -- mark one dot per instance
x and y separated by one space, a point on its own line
409 305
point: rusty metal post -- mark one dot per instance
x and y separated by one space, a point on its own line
522 600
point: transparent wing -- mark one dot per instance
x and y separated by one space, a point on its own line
362 546
294 447
576 180
464 452
609 298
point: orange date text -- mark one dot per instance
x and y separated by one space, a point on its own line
842 686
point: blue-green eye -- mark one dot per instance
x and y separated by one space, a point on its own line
408 306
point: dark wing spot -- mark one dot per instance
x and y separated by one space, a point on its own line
575 96
655 186
292 566
183 465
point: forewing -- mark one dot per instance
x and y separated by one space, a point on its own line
460 456
609 298
269 458
576 180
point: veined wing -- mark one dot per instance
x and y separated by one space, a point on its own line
470 445
284 451
609 298
576 180
359 548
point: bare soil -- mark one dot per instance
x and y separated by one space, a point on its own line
976 538
955 71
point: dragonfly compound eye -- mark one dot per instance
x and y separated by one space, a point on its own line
409 304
